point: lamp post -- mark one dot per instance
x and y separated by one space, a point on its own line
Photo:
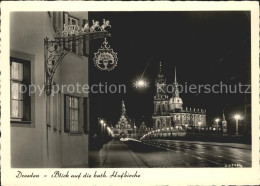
101 126
104 127
217 120
237 117
135 132
199 123
109 131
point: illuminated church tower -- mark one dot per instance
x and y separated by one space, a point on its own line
161 117
160 98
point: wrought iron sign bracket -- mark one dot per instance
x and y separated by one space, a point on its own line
72 35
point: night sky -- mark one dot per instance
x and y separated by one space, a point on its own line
206 48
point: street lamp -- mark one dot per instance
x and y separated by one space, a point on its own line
102 125
199 125
141 83
217 120
109 131
237 117
171 131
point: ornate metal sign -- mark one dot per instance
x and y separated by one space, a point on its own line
75 30
105 58
55 50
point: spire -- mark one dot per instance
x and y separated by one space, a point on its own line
160 69
175 85
175 79
123 107
160 85
160 77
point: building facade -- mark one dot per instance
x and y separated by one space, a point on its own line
169 113
123 127
47 130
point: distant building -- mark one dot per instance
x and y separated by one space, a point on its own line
169 112
124 127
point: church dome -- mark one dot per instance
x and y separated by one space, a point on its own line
175 103
176 100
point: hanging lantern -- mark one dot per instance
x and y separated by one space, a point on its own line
105 58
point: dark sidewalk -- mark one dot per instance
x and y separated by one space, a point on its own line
114 154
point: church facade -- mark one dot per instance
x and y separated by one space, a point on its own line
169 112
123 127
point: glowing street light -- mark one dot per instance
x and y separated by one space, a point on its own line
217 120
141 83
237 117
199 123
103 124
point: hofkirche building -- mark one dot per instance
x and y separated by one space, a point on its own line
169 112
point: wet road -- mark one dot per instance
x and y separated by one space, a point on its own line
174 153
